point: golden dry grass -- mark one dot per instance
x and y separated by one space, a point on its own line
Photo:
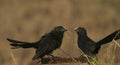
27 20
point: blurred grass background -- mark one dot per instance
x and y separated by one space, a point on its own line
28 20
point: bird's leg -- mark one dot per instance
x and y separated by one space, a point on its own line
38 61
51 57
50 54
83 59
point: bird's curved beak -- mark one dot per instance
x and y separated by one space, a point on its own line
76 29
64 29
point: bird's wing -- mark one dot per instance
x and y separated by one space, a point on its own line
87 45
40 52
44 47
115 35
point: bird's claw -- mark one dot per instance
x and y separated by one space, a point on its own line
38 61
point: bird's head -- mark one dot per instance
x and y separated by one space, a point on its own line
80 31
59 29
58 32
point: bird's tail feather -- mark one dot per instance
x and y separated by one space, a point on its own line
115 35
19 44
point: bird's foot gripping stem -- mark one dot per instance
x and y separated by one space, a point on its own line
51 57
38 61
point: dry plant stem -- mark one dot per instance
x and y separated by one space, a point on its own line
115 44
85 56
68 55
116 41
13 58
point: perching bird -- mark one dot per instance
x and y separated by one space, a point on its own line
88 46
46 45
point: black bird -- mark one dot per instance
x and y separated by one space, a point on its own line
46 45
88 46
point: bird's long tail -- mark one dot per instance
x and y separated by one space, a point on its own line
20 44
115 35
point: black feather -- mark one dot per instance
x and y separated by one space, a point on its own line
46 45
88 46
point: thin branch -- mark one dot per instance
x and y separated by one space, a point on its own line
13 57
